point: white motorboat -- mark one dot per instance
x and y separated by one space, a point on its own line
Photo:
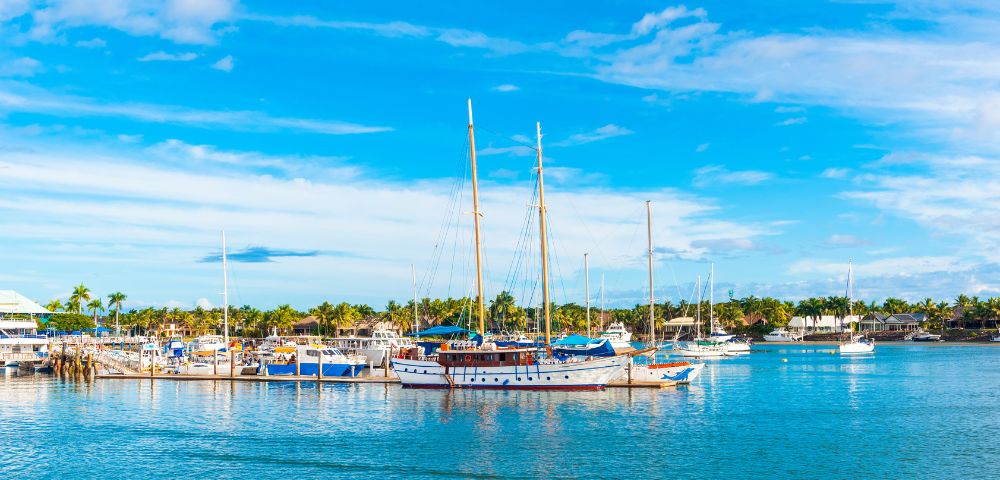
783 335
720 335
858 345
619 336
207 343
925 337
307 360
702 349
508 369
738 346
20 342
213 364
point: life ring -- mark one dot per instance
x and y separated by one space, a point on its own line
468 358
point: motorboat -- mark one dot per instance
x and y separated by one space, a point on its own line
20 342
925 337
720 335
306 360
207 343
619 336
783 335
214 363
739 346
858 344
375 348
702 349
504 369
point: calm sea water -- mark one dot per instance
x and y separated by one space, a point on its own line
783 412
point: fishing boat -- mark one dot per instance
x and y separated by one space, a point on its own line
515 368
306 360
782 335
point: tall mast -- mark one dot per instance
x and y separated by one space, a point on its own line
416 323
602 302
698 310
586 269
711 296
850 292
480 309
649 241
225 293
542 235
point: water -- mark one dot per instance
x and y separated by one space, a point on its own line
785 412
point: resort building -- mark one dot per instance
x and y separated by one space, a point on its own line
822 324
15 305
897 322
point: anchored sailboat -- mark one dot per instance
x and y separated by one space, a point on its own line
858 344
505 368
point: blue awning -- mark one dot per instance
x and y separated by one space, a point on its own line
440 330
574 339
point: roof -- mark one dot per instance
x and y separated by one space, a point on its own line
896 319
824 321
681 321
310 321
574 339
13 302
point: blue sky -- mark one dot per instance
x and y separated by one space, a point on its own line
777 140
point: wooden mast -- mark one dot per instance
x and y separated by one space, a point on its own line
652 303
542 235
586 272
475 215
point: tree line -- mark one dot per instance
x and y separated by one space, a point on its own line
503 314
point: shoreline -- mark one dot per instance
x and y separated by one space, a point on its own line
888 342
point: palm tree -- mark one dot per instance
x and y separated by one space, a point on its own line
80 294
115 300
344 314
54 306
283 317
323 313
94 306
397 316
964 304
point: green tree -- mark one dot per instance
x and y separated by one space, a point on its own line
282 318
80 295
95 306
324 315
70 322
115 301
344 314
54 306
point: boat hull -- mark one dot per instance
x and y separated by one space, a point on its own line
856 349
311 370
682 372
583 375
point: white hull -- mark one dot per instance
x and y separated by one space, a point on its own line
701 351
737 348
680 373
854 348
584 375
209 369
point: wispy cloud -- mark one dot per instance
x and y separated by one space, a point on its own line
23 98
92 43
258 255
20 67
224 64
603 133
840 240
792 121
506 87
835 173
162 56
717 174
702 147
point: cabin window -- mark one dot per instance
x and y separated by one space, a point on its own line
312 353
503 357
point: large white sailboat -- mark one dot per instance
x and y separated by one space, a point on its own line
490 367
701 347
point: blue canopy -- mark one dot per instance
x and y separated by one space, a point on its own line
574 339
440 330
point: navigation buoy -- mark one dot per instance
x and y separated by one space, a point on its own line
784 360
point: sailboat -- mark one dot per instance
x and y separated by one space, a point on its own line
858 344
701 347
490 367
680 372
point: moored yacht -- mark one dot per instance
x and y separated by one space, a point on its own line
207 343
305 360
375 348
619 336
20 342
858 344
782 335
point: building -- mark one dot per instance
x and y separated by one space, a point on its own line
822 324
13 304
897 322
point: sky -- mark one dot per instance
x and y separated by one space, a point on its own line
779 141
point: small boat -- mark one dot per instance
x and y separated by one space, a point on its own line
858 345
212 363
739 346
375 348
703 349
306 359
720 335
996 338
782 335
925 337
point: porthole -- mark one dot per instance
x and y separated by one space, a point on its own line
529 379
567 376
548 378
484 379
425 371
473 379
519 379
496 379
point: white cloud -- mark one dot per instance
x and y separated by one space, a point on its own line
182 21
835 173
224 64
137 198
20 67
710 175
506 88
702 147
603 133
92 43
204 303
840 240
896 266
162 56
792 121
23 98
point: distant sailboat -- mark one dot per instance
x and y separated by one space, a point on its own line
858 344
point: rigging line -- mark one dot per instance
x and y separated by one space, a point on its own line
507 138
520 249
617 273
427 278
